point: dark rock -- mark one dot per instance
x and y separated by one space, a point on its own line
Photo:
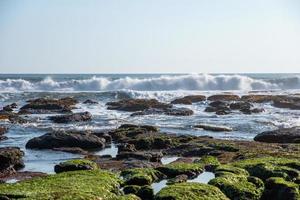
222 112
10 160
76 117
240 105
178 179
251 111
7 108
3 130
12 117
259 98
126 147
13 105
133 105
74 165
44 106
168 111
212 127
59 139
283 135
224 97
22 176
287 104
74 150
104 135
149 156
89 101
189 99
218 104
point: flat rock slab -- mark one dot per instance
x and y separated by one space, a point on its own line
284 135
76 117
212 127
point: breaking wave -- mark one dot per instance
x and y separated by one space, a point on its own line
203 82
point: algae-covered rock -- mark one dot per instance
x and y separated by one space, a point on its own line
239 186
267 167
83 185
228 169
141 176
144 192
74 165
178 168
191 191
209 162
278 189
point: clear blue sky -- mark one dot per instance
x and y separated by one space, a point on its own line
136 36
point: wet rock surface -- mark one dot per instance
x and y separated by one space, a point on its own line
167 111
212 127
76 117
47 105
57 139
283 135
188 100
133 105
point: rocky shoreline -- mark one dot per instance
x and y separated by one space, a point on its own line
267 168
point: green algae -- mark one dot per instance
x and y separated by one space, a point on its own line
191 191
177 168
141 176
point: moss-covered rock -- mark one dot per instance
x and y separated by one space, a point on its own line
73 165
144 192
177 168
267 167
83 185
209 162
239 186
141 176
191 191
278 188
231 170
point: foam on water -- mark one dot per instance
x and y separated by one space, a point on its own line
202 82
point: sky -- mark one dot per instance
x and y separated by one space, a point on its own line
149 36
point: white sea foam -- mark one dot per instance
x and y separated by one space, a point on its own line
201 82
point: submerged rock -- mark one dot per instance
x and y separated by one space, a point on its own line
76 117
287 104
212 127
187 100
45 105
58 139
133 105
3 130
283 135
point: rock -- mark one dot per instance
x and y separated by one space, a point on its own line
74 165
126 147
251 111
218 104
224 97
84 184
282 135
45 106
133 105
222 112
89 101
104 135
22 176
240 105
178 179
10 160
278 188
174 169
74 150
59 139
13 105
239 186
287 104
258 98
12 117
211 127
76 117
3 130
7 108
149 156
141 176
168 111
189 99
220 107
195 191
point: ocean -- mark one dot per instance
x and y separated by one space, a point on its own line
17 88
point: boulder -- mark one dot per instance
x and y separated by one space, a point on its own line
287 104
252 111
10 160
76 117
46 105
282 135
224 97
149 156
187 100
240 105
133 105
59 139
